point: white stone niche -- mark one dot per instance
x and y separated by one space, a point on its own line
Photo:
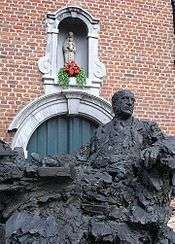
86 34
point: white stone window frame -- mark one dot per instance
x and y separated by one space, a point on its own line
47 64
51 105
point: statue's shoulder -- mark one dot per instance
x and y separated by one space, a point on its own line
145 124
149 128
105 129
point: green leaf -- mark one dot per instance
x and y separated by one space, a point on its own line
63 78
81 78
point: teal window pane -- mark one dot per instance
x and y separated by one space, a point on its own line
61 135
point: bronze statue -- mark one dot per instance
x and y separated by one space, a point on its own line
115 190
128 134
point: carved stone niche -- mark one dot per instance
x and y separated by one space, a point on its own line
86 32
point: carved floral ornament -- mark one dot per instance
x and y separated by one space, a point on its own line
53 60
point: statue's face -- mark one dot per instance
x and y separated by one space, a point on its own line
123 106
71 34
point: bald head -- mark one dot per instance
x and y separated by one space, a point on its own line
123 103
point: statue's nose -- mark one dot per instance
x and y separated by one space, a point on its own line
129 101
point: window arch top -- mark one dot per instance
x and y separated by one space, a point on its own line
54 19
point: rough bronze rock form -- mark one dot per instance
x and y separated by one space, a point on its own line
116 190
5 149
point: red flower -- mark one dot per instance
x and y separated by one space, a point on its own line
72 69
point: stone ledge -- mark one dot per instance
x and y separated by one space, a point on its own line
58 172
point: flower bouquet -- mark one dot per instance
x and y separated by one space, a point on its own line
71 69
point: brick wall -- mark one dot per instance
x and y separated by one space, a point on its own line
136 45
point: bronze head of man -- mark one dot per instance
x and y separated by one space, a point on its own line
123 104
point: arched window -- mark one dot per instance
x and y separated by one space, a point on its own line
61 135
72 114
